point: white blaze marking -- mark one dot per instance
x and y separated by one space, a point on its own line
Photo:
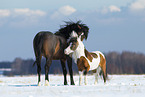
68 50
74 34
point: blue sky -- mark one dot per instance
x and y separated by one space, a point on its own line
115 25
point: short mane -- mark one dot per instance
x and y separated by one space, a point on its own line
66 29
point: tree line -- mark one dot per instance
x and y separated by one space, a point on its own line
125 63
117 63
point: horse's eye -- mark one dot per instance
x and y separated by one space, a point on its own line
73 44
73 47
79 33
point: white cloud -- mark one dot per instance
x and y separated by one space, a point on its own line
28 12
65 10
4 13
17 12
21 17
138 5
113 8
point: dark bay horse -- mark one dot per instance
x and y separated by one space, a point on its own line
52 46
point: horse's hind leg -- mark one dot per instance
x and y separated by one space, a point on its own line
104 74
69 63
96 74
64 71
103 67
38 60
47 65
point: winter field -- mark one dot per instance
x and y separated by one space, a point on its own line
117 86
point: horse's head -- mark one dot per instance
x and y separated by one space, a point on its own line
81 29
85 31
74 43
78 27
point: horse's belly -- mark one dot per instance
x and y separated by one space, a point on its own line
94 64
58 57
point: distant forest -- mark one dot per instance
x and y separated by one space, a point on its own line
117 63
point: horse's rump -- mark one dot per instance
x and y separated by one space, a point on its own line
49 45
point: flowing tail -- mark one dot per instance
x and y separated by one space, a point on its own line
34 63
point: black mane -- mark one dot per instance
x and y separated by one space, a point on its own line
78 27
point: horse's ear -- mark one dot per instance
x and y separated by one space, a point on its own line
79 27
74 34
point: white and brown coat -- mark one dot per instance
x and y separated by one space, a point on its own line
86 61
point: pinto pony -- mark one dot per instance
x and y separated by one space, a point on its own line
52 46
86 61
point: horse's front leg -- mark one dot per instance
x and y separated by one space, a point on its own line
69 63
85 77
64 71
47 66
80 77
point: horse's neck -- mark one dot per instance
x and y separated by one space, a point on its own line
79 51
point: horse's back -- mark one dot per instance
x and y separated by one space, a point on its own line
40 36
98 52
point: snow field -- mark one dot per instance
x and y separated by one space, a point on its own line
116 86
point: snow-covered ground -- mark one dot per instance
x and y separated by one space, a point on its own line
117 86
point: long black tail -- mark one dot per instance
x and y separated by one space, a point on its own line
34 63
107 78
101 73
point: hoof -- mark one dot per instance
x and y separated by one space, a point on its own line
95 83
85 83
72 83
65 83
39 83
47 83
